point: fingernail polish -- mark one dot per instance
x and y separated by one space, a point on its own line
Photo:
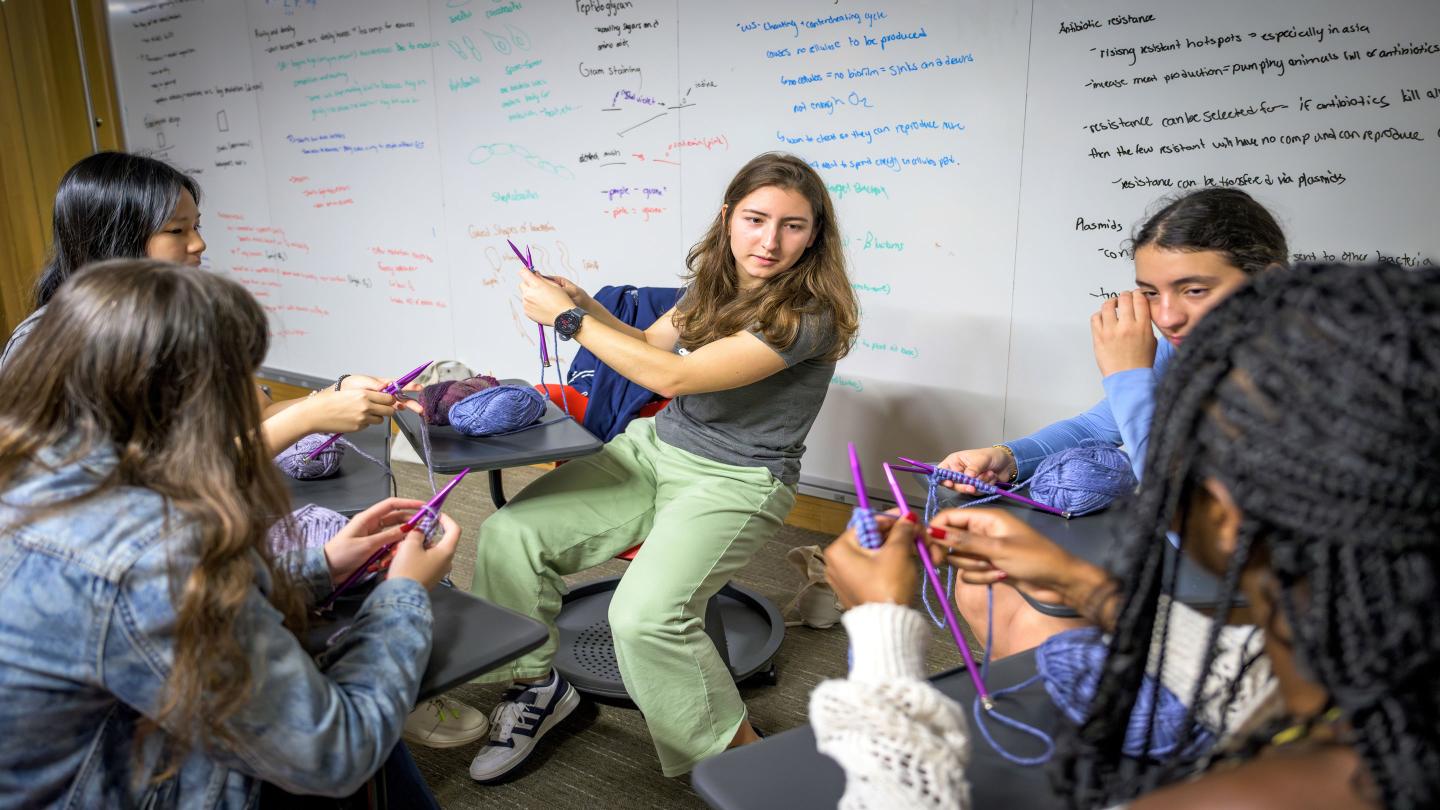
937 532
909 516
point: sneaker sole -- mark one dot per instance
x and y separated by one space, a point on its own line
563 709
416 739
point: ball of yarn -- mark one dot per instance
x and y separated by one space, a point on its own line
1071 663
1083 479
310 526
438 398
501 409
325 464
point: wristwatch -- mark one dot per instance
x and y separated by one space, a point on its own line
567 323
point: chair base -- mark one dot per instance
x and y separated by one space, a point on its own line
749 623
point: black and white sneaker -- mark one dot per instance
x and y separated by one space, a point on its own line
518 722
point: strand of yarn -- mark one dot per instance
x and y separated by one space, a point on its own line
1046 740
932 505
559 375
293 462
425 453
1084 478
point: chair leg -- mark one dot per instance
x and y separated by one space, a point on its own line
715 629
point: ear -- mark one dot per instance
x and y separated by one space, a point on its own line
1219 510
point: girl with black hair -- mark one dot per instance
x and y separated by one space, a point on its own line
1296 450
1191 254
115 205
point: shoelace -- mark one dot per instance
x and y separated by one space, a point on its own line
441 706
506 715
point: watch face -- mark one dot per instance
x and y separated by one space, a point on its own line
567 324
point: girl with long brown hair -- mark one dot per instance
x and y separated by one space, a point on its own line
746 357
147 635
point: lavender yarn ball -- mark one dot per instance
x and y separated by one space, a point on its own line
325 464
437 399
1083 479
502 409
313 527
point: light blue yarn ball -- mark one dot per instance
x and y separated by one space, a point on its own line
1083 479
502 409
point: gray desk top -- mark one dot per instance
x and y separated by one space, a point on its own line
452 451
470 636
786 772
360 483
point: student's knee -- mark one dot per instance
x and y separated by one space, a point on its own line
973 603
638 616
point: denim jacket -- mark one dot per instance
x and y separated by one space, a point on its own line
87 637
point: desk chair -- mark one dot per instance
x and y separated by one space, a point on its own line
745 627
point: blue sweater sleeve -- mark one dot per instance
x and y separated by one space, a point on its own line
1122 417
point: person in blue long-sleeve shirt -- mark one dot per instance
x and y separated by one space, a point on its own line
1189 256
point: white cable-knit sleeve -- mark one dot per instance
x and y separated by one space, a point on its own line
901 742
1185 652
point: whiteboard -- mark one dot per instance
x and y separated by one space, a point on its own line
364 161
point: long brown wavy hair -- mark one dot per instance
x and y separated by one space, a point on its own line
155 361
715 307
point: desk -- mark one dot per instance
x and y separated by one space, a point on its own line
469 636
452 451
360 484
786 772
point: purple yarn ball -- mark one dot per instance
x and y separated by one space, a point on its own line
438 398
312 525
292 461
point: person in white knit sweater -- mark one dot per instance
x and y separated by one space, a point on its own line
1300 461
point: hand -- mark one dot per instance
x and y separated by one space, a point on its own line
365 534
346 411
579 297
355 382
544 299
886 574
991 545
427 566
989 464
1122 333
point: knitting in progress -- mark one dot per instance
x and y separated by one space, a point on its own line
310 526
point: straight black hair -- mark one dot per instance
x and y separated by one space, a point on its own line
107 207
1225 220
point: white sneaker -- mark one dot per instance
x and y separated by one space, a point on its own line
444 723
521 718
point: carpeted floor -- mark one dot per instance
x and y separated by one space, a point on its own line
601 756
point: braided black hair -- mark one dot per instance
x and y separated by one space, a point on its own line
1313 396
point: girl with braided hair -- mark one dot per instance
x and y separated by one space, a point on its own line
1297 451
1197 249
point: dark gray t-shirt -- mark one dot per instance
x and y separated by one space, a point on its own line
19 335
764 423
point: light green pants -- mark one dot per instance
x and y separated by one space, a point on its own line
700 521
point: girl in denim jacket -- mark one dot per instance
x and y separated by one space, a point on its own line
148 648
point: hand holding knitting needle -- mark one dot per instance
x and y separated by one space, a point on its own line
366 533
886 574
543 299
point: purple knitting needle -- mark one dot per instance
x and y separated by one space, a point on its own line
430 510
944 595
393 389
990 489
860 496
529 263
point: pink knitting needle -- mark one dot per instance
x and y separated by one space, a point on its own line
530 265
990 489
430 510
393 389
944 595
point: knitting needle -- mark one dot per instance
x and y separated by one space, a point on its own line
430 510
867 539
990 489
529 263
941 592
393 389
